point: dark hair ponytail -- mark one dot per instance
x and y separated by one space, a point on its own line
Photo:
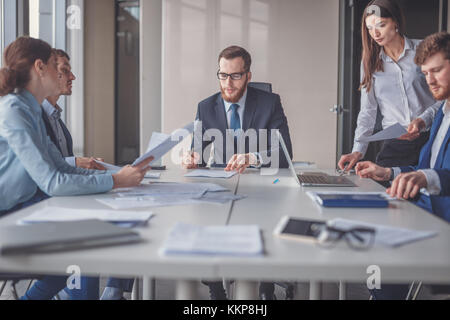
19 58
8 80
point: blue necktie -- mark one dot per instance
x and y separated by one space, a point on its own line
235 123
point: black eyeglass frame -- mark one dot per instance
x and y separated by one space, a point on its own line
233 76
355 232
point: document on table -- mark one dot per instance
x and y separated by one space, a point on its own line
166 143
392 132
168 194
126 202
214 240
205 173
170 188
386 236
220 197
56 214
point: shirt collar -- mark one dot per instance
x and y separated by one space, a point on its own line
446 108
408 46
241 102
50 110
30 99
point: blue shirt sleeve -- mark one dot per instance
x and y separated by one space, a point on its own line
28 141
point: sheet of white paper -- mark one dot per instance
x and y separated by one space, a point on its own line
109 167
386 236
55 214
125 203
167 144
220 197
153 175
392 132
218 174
157 139
113 168
171 188
214 240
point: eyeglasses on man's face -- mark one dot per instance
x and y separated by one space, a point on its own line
233 76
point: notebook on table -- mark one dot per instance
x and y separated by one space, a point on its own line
62 236
351 200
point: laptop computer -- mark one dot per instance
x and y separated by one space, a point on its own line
62 236
316 179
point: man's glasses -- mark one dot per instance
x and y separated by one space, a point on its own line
356 238
233 76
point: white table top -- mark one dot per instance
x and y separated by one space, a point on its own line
141 259
427 260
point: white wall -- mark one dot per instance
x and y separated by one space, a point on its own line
294 45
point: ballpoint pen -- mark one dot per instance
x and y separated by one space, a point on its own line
343 172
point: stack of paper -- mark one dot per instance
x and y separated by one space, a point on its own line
386 236
56 214
214 240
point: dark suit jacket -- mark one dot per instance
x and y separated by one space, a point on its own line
52 135
440 204
263 110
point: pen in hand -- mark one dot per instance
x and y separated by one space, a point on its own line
343 172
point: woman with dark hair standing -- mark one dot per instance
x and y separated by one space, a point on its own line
31 167
394 84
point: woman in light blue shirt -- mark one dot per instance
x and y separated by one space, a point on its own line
31 167
394 84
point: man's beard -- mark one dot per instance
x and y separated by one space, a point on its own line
444 95
238 96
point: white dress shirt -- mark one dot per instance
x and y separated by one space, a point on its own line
240 110
400 91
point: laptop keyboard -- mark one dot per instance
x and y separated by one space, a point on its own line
312 179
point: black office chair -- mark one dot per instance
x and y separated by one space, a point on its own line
261 86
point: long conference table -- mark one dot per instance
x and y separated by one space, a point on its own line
284 260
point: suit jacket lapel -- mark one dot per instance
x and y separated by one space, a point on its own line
442 151
68 137
425 161
221 116
250 109
49 129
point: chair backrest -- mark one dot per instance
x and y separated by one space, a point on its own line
261 86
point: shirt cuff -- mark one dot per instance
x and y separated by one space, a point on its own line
397 172
360 147
434 187
71 161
